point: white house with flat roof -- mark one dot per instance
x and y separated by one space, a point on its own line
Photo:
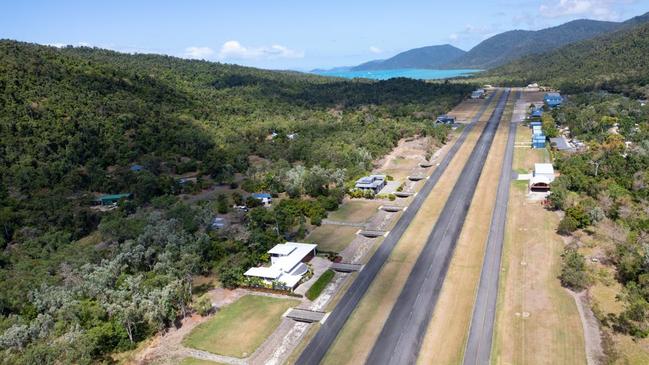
287 264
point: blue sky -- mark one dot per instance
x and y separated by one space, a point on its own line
289 34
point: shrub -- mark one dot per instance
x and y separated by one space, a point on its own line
579 215
567 225
573 270
316 220
203 305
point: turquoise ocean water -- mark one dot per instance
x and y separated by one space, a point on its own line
421 74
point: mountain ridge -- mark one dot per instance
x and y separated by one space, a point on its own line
429 57
499 49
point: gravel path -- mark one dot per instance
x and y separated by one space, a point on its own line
592 335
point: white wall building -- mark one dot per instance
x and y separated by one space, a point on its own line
287 264
542 177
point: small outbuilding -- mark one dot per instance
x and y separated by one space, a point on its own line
478 94
562 144
264 198
112 199
218 223
445 119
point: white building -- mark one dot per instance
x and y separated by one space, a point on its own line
287 264
542 177
478 94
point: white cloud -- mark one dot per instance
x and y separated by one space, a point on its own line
375 49
454 37
235 50
200 53
598 9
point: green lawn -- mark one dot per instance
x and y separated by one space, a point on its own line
355 211
332 238
241 327
319 285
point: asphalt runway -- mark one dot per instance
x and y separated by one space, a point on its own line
403 332
478 348
315 351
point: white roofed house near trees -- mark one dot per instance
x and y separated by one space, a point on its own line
287 264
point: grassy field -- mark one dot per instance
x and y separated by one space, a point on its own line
446 335
331 237
357 337
355 211
537 320
239 328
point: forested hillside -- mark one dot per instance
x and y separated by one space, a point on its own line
616 62
77 284
425 57
508 46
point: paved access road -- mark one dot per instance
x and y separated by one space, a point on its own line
478 348
319 345
403 332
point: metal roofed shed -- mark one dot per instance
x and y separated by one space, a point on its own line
264 198
218 223
478 94
553 99
544 169
112 198
445 119
562 144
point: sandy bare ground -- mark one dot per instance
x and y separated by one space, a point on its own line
167 348
592 335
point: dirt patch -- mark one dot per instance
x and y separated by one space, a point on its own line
166 348
592 335
405 157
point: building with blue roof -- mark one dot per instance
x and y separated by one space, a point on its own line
552 99
264 198
137 168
